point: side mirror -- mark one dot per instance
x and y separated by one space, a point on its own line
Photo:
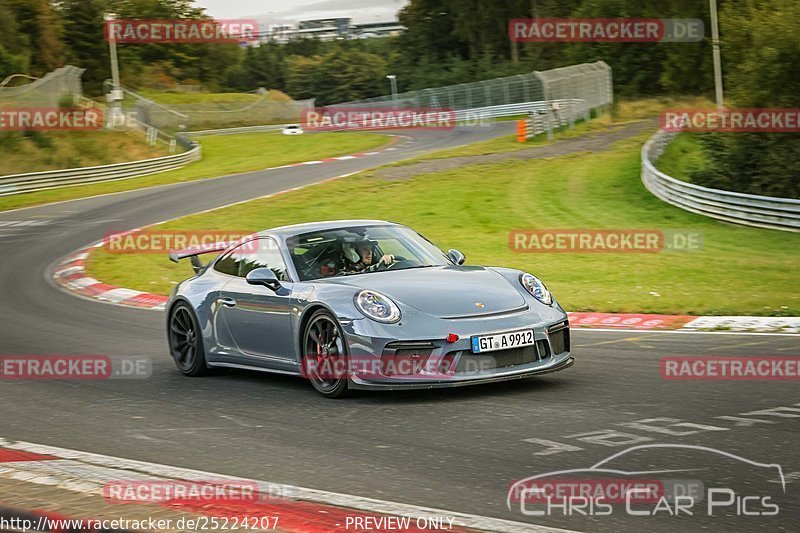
263 276
456 256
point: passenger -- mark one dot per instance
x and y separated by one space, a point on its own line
328 269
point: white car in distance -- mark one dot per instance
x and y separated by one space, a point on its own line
292 129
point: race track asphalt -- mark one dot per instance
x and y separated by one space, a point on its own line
450 449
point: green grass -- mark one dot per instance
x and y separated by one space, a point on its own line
53 150
623 112
168 98
739 271
175 98
222 154
625 109
207 111
509 143
683 156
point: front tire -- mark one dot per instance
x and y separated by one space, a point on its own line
186 341
325 359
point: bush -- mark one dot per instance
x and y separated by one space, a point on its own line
10 140
39 139
759 163
67 101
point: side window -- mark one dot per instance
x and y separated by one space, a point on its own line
261 253
229 264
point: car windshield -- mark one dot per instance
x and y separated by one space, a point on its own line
361 250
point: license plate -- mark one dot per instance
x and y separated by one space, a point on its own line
502 341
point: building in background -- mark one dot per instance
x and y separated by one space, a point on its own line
377 29
330 30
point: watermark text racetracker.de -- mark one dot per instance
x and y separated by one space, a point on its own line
162 241
207 492
421 365
180 31
618 30
73 367
750 120
372 118
604 241
720 368
50 118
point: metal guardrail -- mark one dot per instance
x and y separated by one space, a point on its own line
572 109
558 114
572 106
40 181
233 131
748 209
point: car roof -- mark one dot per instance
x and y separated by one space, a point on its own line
310 227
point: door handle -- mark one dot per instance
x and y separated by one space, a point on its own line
228 302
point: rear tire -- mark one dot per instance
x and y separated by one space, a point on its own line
186 341
325 358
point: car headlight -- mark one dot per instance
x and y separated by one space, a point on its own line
537 289
376 306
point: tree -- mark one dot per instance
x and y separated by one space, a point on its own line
13 45
41 25
266 66
303 76
761 52
85 41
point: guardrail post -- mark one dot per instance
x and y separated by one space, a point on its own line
549 127
571 116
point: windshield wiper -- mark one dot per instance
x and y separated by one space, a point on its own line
419 266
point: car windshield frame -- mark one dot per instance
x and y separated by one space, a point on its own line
327 244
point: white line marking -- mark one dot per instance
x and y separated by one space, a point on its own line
83 282
128 191
756 324
118 295
679 331
70 270
103 468
23 223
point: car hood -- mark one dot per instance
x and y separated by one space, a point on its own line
445 292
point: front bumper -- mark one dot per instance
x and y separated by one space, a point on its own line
560 364
443 364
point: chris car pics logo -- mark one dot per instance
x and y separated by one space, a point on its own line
631 483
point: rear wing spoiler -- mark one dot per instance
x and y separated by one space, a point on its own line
193 251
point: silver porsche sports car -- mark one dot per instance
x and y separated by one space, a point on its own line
362 304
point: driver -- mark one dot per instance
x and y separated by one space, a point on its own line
360 258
